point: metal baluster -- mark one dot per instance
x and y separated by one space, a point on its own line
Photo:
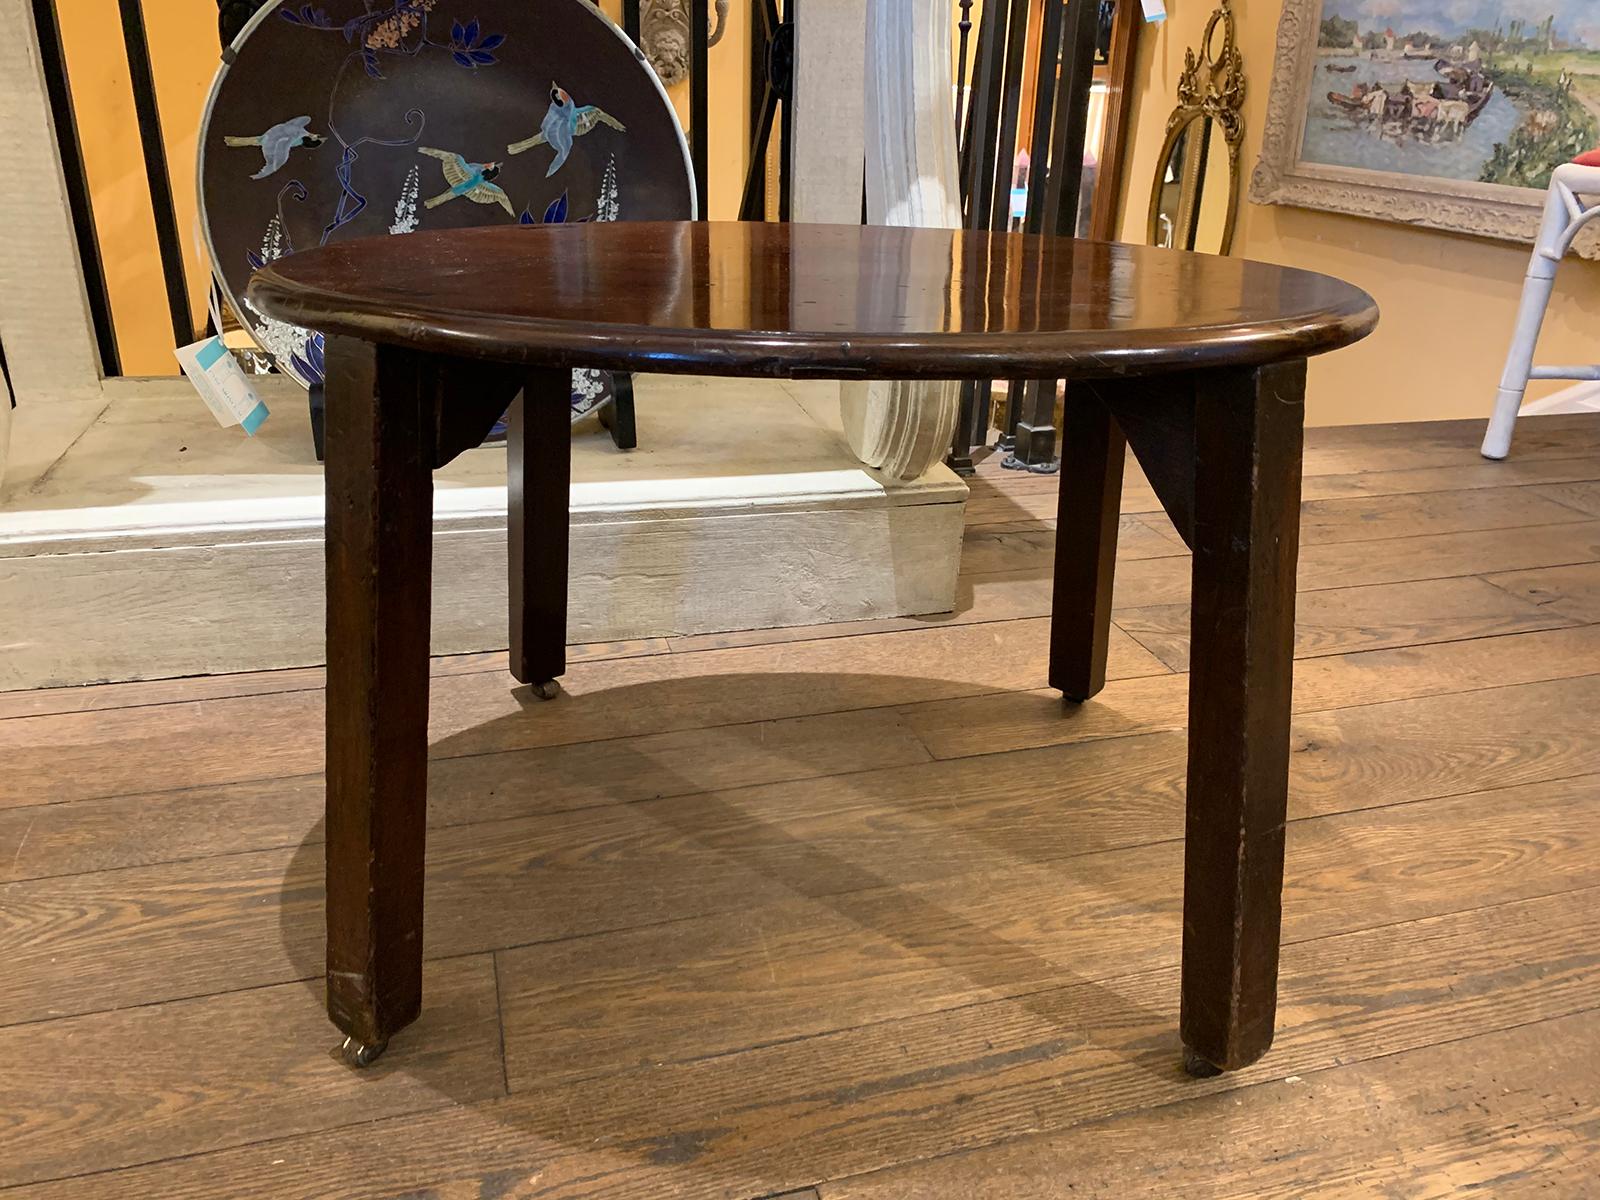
1035 441
1023 395
977 187
1005 152
785 44
699 85
963 28
157 176
53 61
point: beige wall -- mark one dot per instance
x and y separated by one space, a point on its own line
1447 301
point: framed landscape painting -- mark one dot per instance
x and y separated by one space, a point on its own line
1445 113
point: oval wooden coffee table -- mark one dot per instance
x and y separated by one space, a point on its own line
1196 362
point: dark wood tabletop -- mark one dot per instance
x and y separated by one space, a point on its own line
836 301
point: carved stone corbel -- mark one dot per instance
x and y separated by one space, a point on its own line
664 36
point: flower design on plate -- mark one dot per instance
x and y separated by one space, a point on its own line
471 47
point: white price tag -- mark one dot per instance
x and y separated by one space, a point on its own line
222 385
1154 10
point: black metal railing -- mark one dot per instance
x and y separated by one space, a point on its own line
771 62
1061 51
53 60
157 175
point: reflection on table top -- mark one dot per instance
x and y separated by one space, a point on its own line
776 299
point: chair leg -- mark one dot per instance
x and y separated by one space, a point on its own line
1519 359
539 482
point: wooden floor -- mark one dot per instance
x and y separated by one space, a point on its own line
861 912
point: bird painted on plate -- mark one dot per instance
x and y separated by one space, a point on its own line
564 121
469 179
276 143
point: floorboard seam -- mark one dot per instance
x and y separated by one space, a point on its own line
708 792
1178 1101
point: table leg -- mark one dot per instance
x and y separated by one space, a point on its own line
539 482
1247 439
379 551
1088 507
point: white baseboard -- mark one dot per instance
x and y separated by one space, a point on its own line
1580 397
186 601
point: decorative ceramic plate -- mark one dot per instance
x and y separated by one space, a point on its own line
341 119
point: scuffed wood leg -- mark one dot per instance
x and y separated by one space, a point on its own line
1088 508
539 466
1247 451
380 415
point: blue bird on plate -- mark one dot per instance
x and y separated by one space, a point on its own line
564 121
473 180
276 143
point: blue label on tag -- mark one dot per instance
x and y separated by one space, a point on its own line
253 418
210 353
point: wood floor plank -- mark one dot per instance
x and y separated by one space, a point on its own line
1583 495
1410 445
1506 1114
1016 720
1417 514
782 1117
753 941
1362 517
98 697
1408 749
75 756
1001 549
1379 616
114 1089
1467 475
230 818
1446 555
1470 473
1142 583
575 1009
148 934
1570 591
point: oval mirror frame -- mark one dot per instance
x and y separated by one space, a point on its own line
1210 92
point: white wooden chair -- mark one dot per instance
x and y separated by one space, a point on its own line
1565 213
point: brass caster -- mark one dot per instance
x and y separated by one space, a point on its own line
1197 1067
546 689
361 1054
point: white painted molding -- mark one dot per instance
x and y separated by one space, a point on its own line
97 599
904 428
830 67
1580 397
912 165
44 311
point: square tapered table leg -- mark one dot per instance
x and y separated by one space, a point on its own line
1222 451
1249 434
379 547
1088 508
539 482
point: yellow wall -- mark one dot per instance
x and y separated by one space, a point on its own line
183 51
1448 301
97 65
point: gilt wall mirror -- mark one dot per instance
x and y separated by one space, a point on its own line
1194 198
